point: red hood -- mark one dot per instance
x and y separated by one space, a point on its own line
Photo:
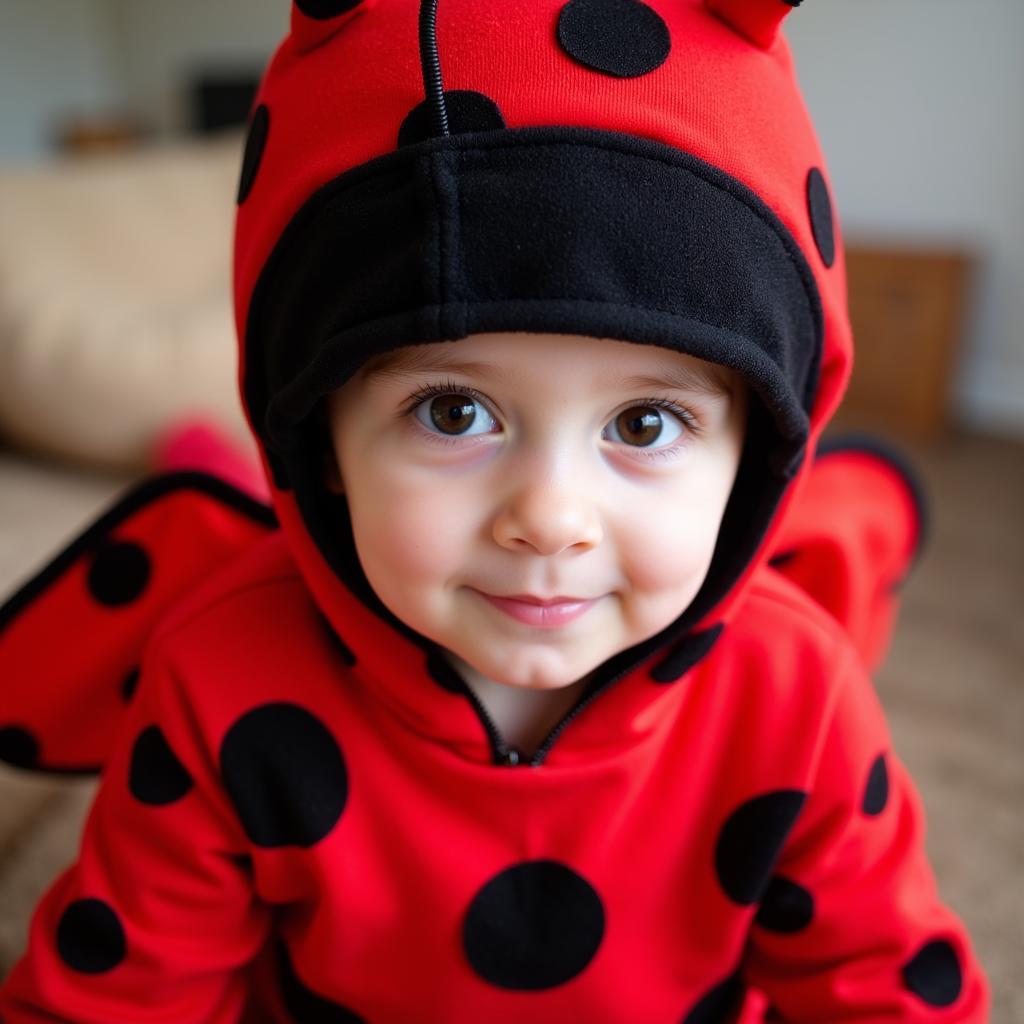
711 96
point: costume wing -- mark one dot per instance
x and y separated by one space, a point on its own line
851 536
72 636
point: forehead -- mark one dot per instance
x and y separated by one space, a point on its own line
520 357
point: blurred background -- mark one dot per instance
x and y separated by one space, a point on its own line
120 145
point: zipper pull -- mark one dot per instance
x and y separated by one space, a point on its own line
511 757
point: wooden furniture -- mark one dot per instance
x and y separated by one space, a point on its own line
907 306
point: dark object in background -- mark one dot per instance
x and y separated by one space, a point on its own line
908 306
221 99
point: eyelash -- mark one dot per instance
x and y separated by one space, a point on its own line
448 387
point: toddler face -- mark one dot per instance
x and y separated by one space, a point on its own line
536 503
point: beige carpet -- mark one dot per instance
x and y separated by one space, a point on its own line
953 689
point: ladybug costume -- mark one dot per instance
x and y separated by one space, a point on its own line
305 814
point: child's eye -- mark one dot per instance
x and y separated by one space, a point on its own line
648 426
454 413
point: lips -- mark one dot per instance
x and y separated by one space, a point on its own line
545 613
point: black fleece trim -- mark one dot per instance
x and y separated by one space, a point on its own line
566 230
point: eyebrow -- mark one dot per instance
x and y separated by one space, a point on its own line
713 380
704 378
410 361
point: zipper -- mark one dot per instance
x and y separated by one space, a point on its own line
686 653
585 701
502 753
693 648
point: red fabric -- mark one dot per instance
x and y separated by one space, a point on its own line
849 542
667 814
69 660
337 91
759 20
635 798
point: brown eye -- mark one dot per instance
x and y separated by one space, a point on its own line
647 426
640 426
453 414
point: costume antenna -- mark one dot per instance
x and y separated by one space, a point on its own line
432 66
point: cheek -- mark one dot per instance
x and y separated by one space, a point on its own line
407 534
668 548
669 553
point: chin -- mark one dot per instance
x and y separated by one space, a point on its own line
532 671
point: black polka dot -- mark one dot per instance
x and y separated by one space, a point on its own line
156 776
624 38
129 684
751 840
934 974
302 1003
285 775
440 670
18 746
719 1004
685 654
119 573
785 907
468 111
90 938
819 206
322 10
255 143
533 926
876 792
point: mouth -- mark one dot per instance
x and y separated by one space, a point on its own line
547 613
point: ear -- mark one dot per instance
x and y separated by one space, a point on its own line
756 20
315 21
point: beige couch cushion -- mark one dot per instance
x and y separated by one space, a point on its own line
115 317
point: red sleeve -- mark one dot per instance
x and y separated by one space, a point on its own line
158 919
851 926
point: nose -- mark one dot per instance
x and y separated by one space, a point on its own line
547 514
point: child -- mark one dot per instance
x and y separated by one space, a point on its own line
510 719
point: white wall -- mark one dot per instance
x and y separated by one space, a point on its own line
59 57
918 106
158 45
55 59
